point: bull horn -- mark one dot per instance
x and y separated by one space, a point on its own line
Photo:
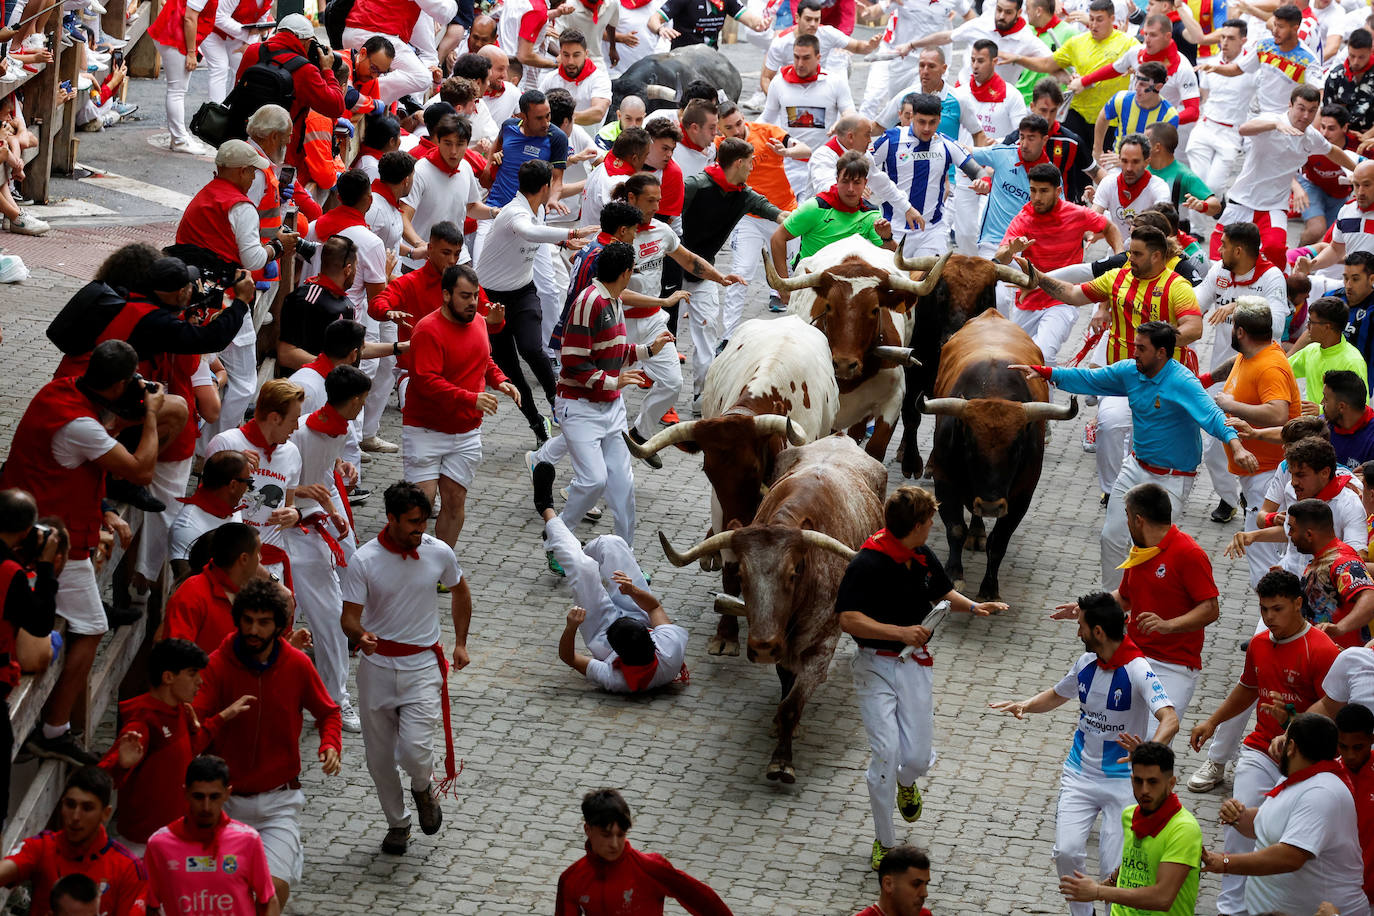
923 286
925 262
660 92
673 435
730 606
773 425
826 542
714 544
902 355
791 284
1013 276
944 407
1040 410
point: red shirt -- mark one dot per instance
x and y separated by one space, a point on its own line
1363 781
1169 584
451 365
1288 672
1326 174
633 885
1058 239
262 745
201 610
417 293
47 858
171 739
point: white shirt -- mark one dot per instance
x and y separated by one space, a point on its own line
1354 228
890 116
636 21
397 595
1266 178
1346 509
1181 85
318 454
507 260
1228 97
780 48
693 161
596 192
1023 42
371 263
1111 702
581 20
1108 199
807 111
1351 678
385 222
670 648
247 226
313 385
593 86
915 18
996 119
192 522
652 245
437 197
578 141
83 439
273 478
508 38
1220 287
502 106
1316 815
881 189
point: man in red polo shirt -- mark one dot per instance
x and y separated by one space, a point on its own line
1338 593
81 846
1354 736
199 610
412 296
1051 232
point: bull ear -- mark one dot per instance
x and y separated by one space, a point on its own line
734 525
808 525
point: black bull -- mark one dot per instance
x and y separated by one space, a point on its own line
659 79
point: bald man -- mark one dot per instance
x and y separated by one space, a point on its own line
1353 215
631 113
853 132
502 98
483 33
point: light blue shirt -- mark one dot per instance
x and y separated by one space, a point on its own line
1167 411
1010 189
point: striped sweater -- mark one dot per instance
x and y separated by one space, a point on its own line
594 347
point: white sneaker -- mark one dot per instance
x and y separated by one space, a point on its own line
755 101
191 147
1207 777
27 225
351 721
92 8
593 514
378 444
35 42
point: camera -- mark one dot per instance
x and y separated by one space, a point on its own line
33 544
217 276
307 249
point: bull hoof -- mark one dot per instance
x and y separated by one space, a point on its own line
988 592
959 584
912 465
781 771
718 645
981 543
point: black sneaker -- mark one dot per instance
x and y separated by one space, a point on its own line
121 491
396 840
652 461
543 475
1106 498
358 495
427 806
1223 513
63 747
116 617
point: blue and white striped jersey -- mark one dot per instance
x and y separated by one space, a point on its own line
1111 702
921 169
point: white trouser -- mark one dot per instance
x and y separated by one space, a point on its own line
276 816
383 377
1225 743
1212 152
169 483
1049 328
588 570
748 243
474 242
1116 539
551 282
662 368
932 240
705 324
178 81
320 602
408 74
1256 774
1081 799
400 711
1226 484
1113 439
968 210
1261 556
885 78
600 461
241 367
222 56
897 703
1178 681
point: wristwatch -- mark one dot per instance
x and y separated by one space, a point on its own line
395 348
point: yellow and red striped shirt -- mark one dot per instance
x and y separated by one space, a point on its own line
1133 301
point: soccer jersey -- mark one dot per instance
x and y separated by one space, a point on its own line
118 874
1354 228
1010 188
1169 584
653 242
1056 241
1178 843
517 149
1181 84
1285 671
1278 71
1111 702
1084 54
919 168
1331 584
187 878
1125 113
1122 202
1132 302
818 224
1186 180
278 472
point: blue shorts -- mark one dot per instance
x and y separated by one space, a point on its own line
1319 203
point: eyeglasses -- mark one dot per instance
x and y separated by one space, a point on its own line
246 481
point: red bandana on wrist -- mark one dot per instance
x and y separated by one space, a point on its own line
1169 57
381 187
1016 26
327 421
789 74
1147 825
637 677
886 542
253 433
337 220
1334 767
717 175
207 501
831 198
1127 193
588 68
384 538
437 159
994 90
1125 653
1359 424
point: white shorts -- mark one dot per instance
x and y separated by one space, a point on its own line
78 599
276 816
428 455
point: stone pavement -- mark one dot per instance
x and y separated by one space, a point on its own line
690 759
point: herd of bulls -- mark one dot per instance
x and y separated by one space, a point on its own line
873 336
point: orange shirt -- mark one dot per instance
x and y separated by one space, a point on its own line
768 177
1264 377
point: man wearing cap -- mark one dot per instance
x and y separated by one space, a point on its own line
314 84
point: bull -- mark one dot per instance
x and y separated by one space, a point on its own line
770 386
989 436
854 292
659 79
828 497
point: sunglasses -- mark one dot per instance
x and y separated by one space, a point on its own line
245 480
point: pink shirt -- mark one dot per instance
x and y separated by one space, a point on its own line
1058 242
186 878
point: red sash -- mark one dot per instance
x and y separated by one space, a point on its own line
386 647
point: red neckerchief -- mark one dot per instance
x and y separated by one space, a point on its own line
253 433
1125 653
1054 21
1351 74
886 542
1044 158
382 188
604 239
337 220
494 93
834 144
1184 239
634 4
1145 825
994 90
594 7
637 677
207 501
325 283
369 151
1359 424
687 142
1127 193
1261 265
717 175
1169 57
421 149
384 538
327 421
616 166
1333 489
1334 767
789 74
435 157
1016 26
321 364
832 198
588 68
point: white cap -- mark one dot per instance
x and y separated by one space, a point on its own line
297 25
236 154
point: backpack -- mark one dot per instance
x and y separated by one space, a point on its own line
333 17
270 81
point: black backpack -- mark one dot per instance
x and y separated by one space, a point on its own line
270 81
333 18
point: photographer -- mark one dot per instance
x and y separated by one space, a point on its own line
25 548
67 448
315 86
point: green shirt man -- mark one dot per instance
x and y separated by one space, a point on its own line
1313 361
818 223
1180 842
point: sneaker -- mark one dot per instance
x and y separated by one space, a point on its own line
542 431
554 566
190 147
1223 513
1090 437
776 305
909 802
28 224
427 805
670 417
116 617
125 109
541 476
441 588
63 747
358 495
1207 777
396 840
378 444
879 853
351 721
94 125
592 515
529 464
1104 499
35 42
366 458
652 461
696 407
93 8
756 101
